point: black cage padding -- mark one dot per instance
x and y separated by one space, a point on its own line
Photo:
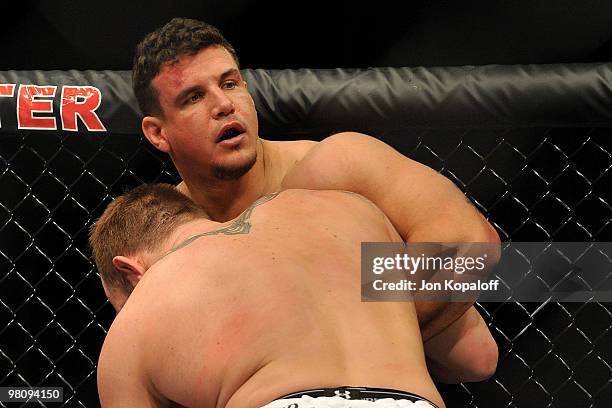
303 102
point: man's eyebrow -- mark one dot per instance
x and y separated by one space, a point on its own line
230 72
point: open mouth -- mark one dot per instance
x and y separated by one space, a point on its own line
230 133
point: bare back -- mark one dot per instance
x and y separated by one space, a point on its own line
270 306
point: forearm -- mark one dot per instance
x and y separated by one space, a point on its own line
463 352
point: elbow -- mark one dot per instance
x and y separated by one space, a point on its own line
483 231
488 236
484 364
481 360
469 225
493 241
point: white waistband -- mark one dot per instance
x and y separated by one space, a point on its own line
338 402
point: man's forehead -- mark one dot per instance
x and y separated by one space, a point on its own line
211 62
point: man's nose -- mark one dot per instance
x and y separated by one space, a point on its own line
222 105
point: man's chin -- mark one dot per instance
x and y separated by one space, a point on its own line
234 172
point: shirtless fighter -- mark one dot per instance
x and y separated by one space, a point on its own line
241 313
197 109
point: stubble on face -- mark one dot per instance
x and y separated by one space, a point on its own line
234 172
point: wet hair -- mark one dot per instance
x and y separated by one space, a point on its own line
139 220
178 38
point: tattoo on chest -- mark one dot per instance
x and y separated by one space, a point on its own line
241 225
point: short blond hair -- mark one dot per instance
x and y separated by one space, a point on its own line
140 219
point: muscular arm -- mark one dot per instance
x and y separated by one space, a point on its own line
423 205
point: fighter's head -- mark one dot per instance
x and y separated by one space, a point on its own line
133 233
197 107
166 45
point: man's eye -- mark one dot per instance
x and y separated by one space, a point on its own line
229 85
195 97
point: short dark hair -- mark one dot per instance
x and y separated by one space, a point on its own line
180 37
138 220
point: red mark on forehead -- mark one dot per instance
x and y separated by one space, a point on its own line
174 73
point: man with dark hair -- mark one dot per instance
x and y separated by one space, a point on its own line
198 110
241 313
178 38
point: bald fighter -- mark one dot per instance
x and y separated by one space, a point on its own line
198 109
244 312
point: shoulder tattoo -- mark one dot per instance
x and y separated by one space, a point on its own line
240 225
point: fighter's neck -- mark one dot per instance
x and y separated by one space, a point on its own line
224 200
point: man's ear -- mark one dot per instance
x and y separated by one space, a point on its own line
132 268
152 127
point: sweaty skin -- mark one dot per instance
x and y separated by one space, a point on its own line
262 306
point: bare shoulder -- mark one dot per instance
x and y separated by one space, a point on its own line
352 202
129 329
348 201
346 197
291 152
122 378
343 202
350 140
342 143
340 162
299 148
133 369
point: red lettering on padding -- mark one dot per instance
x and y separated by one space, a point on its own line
81 101
7 90
28 104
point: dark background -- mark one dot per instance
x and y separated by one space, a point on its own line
315 34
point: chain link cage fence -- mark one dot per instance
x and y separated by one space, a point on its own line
533 184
